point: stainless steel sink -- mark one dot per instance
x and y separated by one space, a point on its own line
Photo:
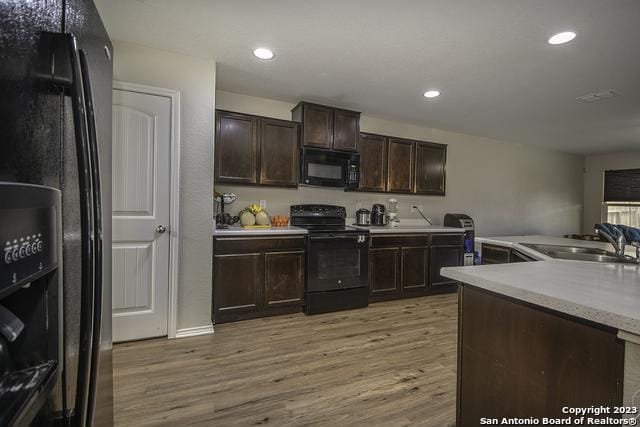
578 253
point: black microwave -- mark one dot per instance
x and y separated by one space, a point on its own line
329 168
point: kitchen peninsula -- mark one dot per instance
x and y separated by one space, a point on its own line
535 337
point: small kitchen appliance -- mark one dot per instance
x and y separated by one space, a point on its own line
337 273
393 212
328 168
224 220
362 217
378 215
463 221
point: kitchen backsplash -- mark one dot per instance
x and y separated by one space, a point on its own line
278 200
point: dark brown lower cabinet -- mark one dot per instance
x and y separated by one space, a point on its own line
444 256
238 291
257 277
414 269
284 274
517 360
496 254
383 272
408 265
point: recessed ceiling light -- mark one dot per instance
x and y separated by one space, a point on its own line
562 38
431 93
263 53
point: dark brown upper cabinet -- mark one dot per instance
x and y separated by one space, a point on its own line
431 160
373 162
256 150
279 153
395 165
346 130
400 165
327 127
236 148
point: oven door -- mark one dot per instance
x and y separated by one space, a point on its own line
337 261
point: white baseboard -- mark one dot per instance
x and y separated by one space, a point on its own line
195 331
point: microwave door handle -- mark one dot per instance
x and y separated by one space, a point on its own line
97 218
87 232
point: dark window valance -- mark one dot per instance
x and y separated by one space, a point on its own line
622 185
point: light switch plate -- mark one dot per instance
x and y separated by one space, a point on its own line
263 204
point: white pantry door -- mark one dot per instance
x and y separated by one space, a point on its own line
141 201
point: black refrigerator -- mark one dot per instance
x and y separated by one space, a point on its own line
55 193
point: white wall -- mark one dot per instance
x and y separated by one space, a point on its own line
195 79
506 188
595 165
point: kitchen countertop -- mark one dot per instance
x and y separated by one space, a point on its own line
240 231
608 294
516 242
408 226
604 293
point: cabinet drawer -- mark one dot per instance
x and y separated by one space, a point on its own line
446 239
396 240
238 245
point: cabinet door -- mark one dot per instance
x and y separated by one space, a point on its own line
346 130
400 164
430 168
443 256
237 286
373 165
383 272
415 266
493 254
279 153
236 148
317 126
284 279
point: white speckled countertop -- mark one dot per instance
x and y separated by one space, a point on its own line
407 226
516 243
604 293
240 231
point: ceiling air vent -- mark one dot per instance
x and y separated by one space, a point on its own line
598 96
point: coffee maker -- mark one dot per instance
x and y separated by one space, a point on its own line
378 215
465 222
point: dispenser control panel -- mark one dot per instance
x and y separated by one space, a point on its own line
28 233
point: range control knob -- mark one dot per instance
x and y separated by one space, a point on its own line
39 246
7 257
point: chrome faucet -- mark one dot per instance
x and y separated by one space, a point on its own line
615 236
618 241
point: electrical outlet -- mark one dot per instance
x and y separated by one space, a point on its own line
413 208
358 205
263 204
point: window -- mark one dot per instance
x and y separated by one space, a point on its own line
622 213
621 203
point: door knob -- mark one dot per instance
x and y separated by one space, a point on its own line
161 229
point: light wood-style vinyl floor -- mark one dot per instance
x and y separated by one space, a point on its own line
391 364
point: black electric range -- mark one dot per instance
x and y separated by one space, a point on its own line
337 273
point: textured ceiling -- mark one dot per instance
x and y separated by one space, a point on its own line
498 76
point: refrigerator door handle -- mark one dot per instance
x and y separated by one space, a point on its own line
85 172
97 218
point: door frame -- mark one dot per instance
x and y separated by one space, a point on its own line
174 208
